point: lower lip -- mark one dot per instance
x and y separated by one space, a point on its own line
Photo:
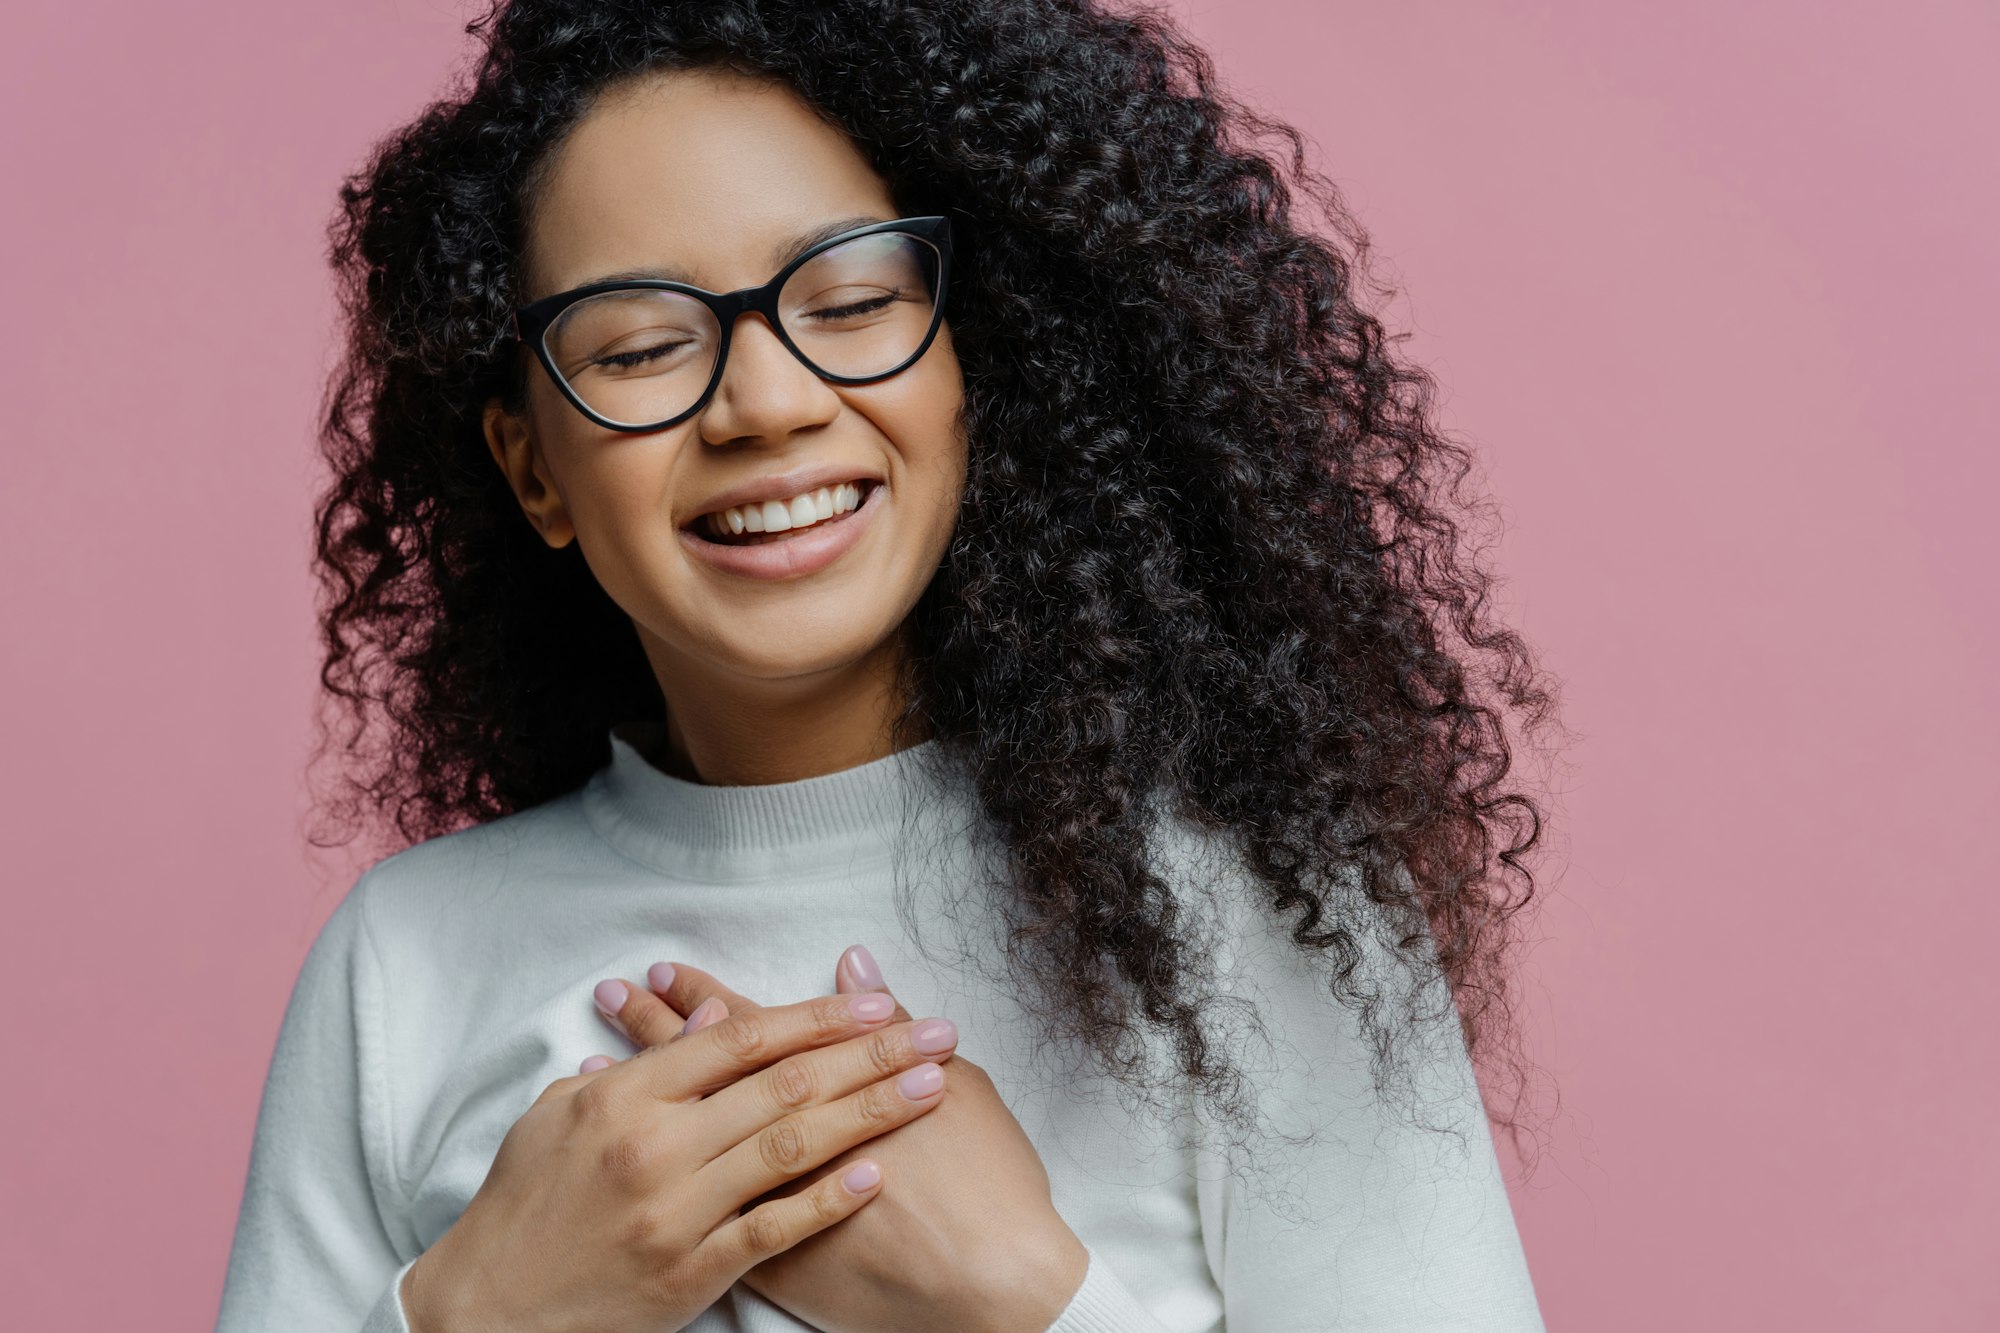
794 557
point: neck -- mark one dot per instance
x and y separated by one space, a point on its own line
735 731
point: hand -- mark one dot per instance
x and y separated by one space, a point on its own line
963 1236
613 1203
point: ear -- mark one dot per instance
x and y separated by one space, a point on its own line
512 443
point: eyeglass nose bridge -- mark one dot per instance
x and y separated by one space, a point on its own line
728 307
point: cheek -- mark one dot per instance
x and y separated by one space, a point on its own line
929 434
616 489
933 487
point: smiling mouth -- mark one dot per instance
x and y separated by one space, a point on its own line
713 529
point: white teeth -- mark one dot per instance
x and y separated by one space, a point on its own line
801 511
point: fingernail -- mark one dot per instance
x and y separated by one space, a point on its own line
921 1082
935 1036
861 966
699 1018
872 1007
591 1062
861 1177
611 997
660 976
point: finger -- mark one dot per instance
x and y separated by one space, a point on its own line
797 1143
687 986
718 1054
592 1063
817 1077
644 1016
856 971
639 1013
772 1228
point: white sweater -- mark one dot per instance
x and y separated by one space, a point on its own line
453 983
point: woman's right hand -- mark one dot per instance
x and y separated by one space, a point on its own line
611 1205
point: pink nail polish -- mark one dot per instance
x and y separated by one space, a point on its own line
935 1036
611 997
594 1062
861 1177
872 1007
707 1011
920 1082
660 976
861 966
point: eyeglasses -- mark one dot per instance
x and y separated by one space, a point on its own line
645 353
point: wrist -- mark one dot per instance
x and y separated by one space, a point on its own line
425 1307
1038 1284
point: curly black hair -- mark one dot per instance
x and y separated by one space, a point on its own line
1212 550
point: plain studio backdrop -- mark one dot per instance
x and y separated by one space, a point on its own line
1711 287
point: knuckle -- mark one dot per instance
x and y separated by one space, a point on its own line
783 1147
763 1231
830 1016
595 1103
667 1286
888 1052
632 1157
825 1201
793 1086
879 1104
743 1037
645 1224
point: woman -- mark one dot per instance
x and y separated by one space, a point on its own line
967 520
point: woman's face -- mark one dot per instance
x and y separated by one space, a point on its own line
714 179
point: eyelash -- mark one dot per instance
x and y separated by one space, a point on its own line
867 307
627 360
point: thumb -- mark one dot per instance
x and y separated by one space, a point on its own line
856 972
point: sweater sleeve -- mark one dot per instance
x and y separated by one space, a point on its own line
312 1249
1384 1214
1104 1304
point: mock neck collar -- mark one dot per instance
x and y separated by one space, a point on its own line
681 827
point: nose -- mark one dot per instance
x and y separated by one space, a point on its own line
766 394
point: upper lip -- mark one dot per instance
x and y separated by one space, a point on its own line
783 486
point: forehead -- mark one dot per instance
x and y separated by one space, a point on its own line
705 172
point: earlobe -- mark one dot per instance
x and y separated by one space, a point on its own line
519 458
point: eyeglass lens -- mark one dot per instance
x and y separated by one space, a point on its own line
858 309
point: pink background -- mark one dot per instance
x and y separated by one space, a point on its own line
1713 288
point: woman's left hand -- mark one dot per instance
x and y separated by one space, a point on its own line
963 1235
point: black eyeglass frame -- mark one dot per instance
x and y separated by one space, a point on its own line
532 321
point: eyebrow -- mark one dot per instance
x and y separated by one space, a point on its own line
781 254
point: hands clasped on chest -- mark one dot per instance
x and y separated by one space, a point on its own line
835 1156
